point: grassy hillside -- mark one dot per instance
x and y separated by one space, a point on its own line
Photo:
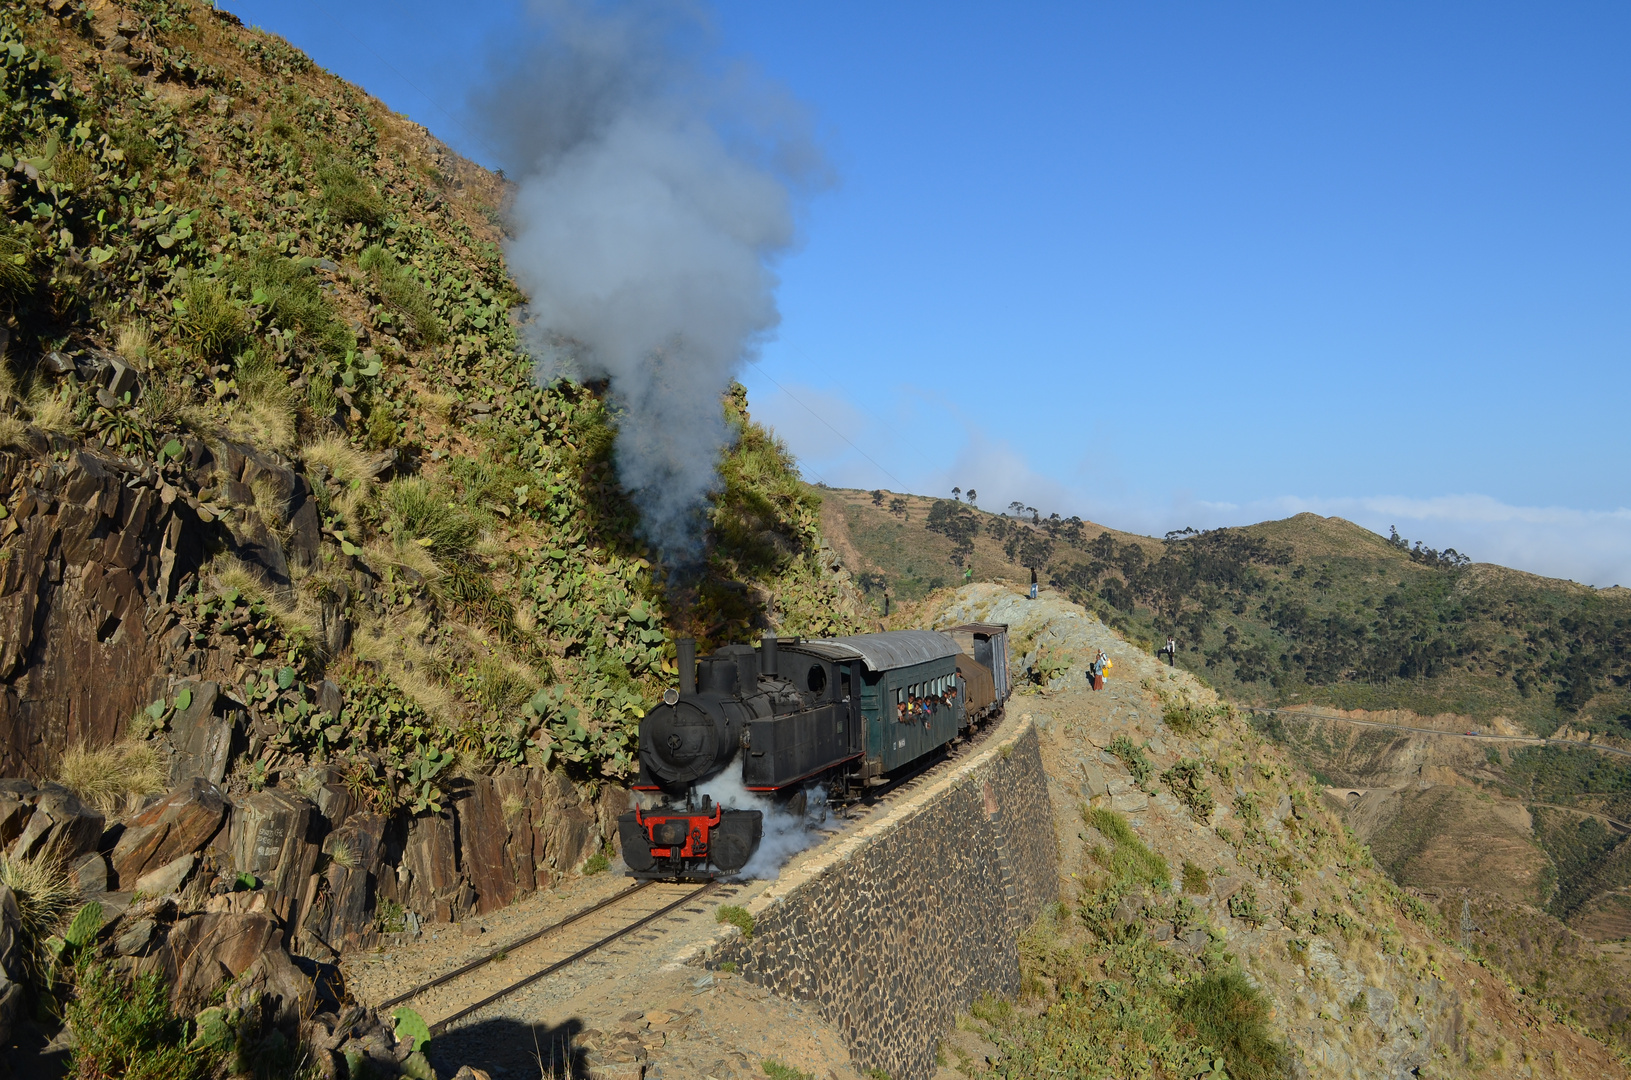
286 265
1305 610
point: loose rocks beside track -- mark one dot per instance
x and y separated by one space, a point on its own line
563 984
629 1009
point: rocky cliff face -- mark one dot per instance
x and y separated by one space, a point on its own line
97 549
94 548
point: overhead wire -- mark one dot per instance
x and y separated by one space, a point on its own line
823 420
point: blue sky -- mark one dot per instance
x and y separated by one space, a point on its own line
1179 264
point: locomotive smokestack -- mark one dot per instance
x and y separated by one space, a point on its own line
687 648
767 659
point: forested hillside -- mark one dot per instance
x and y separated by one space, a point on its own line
1305 610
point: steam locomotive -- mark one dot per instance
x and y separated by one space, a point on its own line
848 713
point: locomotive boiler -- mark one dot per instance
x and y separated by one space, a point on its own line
847 713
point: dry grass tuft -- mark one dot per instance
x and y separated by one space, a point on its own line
109 777
264 413
346 464
296 621
133 342
403 552
12 431
45 895
394 640
53 412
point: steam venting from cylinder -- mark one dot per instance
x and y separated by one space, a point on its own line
656 186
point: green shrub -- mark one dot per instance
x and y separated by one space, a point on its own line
402 292
777 1071
139 150
125 1030
1195 878
1231 1015
1130 860
16 269
498 687
390 917
211 321
1194 721
1187 781
293 299
419 512
1243 905
1132 755
738 917
596 863
349 197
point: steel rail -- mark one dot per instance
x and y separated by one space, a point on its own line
441 1025
465 969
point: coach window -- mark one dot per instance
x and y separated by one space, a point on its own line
817 679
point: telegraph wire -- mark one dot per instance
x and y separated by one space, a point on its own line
828 426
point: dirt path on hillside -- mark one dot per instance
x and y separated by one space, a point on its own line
1485 737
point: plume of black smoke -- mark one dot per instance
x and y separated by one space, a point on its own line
655 188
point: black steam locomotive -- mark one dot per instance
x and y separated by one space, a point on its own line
847 713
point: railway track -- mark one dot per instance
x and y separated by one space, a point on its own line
525 960
473 986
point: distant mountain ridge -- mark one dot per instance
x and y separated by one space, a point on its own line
1302 610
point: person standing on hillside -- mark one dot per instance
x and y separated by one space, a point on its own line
1095 670
1172 652
1033 583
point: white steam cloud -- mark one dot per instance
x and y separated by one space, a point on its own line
655 189
785 833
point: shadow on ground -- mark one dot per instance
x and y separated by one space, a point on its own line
28 1055
512 1049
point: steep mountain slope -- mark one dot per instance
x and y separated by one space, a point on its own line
1216 915
289 529
218 253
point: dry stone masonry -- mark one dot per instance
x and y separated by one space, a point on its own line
903 925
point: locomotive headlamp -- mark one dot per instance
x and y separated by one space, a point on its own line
671 832
671 696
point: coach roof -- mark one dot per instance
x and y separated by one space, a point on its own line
881 652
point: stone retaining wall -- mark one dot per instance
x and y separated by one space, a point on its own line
897 928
